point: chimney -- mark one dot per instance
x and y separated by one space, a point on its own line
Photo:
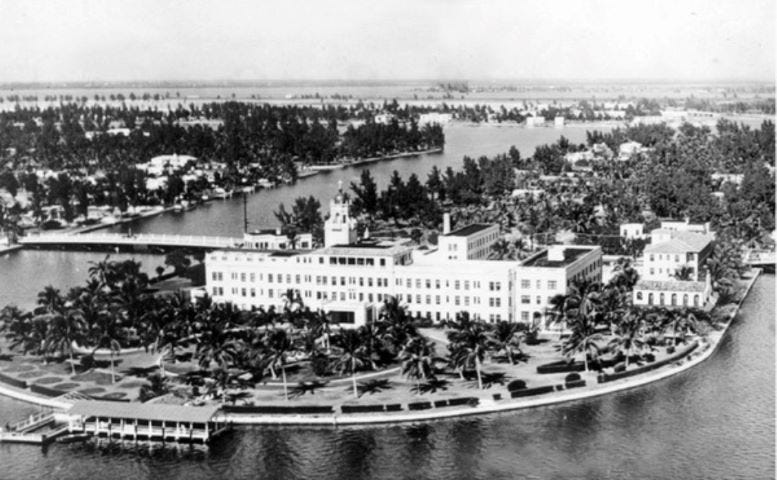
278 231
446 223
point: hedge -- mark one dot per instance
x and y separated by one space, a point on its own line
471 401
419 406
274 409
49 392
532 391
12 381
572 377
361 408
394 407
516 385
605 377
562 366
440 403
111 399
574 384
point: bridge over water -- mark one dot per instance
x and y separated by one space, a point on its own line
123 242
764 259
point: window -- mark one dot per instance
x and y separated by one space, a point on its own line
685 300
437 284
652 258
539 300
466 284
551 284
650 298
382 262
253 277
253 292
437 299
242 277
696 300
269 278
428 283
525 283
661 298
538 284
673 301
525 299
524 316
639 296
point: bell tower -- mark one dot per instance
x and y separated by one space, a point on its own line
339 228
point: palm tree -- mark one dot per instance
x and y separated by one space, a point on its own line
352 354
278 346
50 301
108 334
395 326
506 337
65 330
15 324
628 333
584 338
468 346
499 249
416 358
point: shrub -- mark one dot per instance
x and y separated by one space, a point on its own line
440 403
649 357
670 350
572 377
86 362
575 384
394 407
321 365
516 385
620 367
419 406
561 366
497 396
532 391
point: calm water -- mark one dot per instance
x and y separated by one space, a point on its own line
715 421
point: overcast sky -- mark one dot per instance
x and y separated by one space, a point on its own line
83 40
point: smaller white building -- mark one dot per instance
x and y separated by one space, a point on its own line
270 239
434 118
631 231
472 242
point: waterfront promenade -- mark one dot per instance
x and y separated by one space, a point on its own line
482 405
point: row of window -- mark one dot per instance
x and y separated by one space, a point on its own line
526 284
669 257
360 281
672 299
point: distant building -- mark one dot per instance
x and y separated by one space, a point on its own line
434 118
383 118
735 178
274 239
161 164
632 231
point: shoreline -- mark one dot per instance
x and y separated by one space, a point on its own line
485 406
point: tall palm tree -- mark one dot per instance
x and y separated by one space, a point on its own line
15 325
278 346
65 330
584 338
352 354
468 346
108 333
395 325
50 301
506 337
416 357
628 333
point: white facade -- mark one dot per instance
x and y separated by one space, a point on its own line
276 240
357 277
632 230
339 228
434 118
472 242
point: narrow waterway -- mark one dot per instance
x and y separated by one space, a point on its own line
23 274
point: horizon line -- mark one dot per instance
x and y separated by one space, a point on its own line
373 81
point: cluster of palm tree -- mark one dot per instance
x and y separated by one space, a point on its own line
600 318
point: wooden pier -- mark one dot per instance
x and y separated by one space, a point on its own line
145 422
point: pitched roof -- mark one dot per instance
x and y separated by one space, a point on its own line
143 411
670 285
681 242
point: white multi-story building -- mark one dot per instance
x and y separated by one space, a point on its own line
669 253
351 278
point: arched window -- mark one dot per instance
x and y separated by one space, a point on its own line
650 298
685 299
696 300
639 295
661 298
674 299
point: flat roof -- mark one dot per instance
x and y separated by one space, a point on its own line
143 411
571 255
383 249
469 230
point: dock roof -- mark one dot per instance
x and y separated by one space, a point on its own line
143 411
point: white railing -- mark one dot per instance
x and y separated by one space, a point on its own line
140 239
